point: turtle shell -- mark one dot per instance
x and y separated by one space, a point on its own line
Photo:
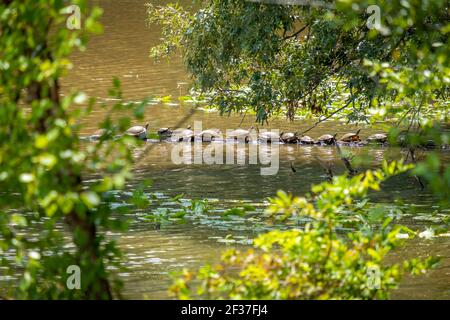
164 131
210 134
98 133
351 137
378 137
325 137
289 137
269 136
307 140
239 133
187 134
136 130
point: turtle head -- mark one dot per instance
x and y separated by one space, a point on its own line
189 127
146 126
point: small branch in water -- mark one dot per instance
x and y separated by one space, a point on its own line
327 167
243 118
346 161
292 167
328 117
413 159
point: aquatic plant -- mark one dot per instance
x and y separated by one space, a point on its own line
318 260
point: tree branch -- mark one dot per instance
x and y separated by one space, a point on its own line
296 33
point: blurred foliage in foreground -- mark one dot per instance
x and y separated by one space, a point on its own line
50 217
318 261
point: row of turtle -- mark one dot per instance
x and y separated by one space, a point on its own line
247 135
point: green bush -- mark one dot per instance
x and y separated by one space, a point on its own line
318 261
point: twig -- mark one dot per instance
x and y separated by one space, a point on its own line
346 161
413 159
328 117
292 167
296 33
243 118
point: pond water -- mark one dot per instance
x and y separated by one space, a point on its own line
152 253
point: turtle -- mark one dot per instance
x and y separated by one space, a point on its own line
209 135
164 133
98 134
351 137
306 140
289 137
139 132
269 136
241 134
183 135
377 137
327 139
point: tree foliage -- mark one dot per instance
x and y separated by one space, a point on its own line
45 198
272 58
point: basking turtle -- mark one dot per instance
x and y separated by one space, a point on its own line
98 134
327 139
164 132
241 134
209 135
139 132
351 137
183 135
289 137
377 137
307 140
269 136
